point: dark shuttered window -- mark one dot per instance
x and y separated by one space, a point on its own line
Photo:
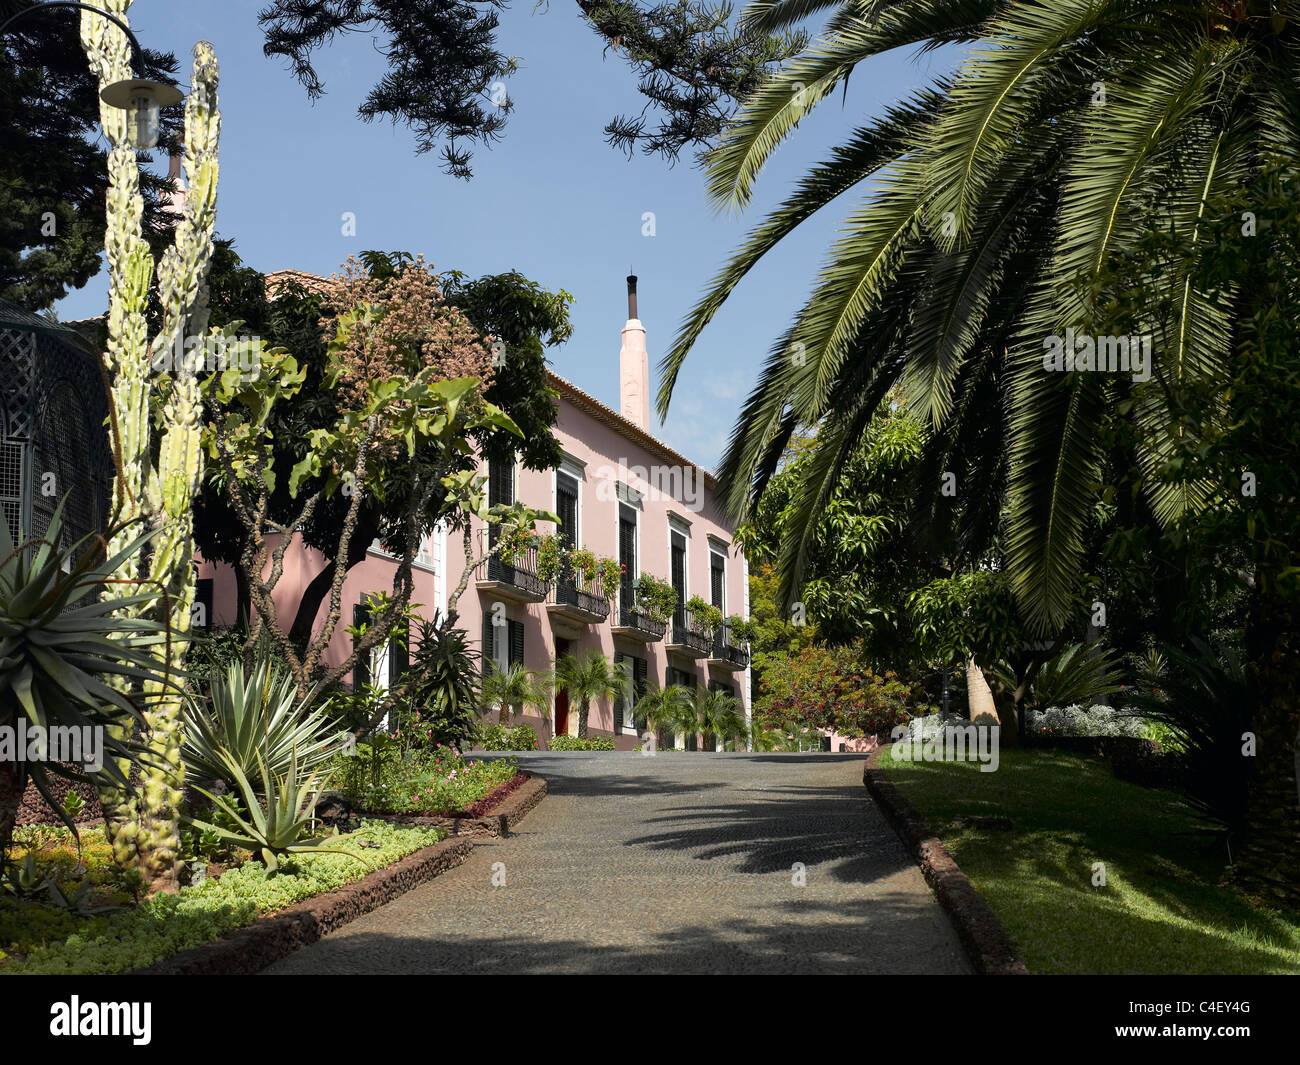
717 578
501 489
678 570
626 552
361 671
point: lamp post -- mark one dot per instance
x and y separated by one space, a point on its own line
140 97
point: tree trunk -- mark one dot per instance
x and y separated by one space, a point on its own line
318 588
13 784
503 714
582 720
1269 864
983 710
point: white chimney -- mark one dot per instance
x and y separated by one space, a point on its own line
634 366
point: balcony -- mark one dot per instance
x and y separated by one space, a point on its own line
572 604
726 653
688 638
634 624
516 580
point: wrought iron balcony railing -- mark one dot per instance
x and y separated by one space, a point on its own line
726 650
573 596
636 623
688 635
519 574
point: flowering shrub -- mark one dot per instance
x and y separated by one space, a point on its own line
440 780
500 738
1077 721
513 543
832 689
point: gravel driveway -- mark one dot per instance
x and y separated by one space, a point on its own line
676 863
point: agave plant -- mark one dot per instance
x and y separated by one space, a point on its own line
250 717
62 646
273 826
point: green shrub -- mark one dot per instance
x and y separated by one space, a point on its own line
572 743
380 776
499 738
164 924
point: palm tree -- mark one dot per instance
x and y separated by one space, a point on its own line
512 690
669 710
719 715
999 200
590 679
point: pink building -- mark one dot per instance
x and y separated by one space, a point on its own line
619 492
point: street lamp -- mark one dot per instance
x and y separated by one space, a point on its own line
141 98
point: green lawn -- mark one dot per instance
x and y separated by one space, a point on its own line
1161 910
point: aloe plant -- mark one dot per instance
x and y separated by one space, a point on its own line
252 714
67 660
273 825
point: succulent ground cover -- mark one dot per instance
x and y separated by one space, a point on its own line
111 929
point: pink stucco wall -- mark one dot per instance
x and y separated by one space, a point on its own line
600 456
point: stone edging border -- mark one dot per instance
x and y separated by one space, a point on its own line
985 941
251 949
507 813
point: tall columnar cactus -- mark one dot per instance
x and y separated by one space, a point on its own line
143 825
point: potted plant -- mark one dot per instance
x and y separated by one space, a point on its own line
742 631
706 617
655 598
582 561
550 556
610 572
513 542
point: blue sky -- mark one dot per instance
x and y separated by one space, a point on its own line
551 200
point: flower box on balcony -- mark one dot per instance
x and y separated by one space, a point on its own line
572 602
688 637
516 579
726 653
634 624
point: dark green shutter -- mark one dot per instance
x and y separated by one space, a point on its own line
399 659
489 644
626 552
515 648
678 571
618 700
717 575
361 671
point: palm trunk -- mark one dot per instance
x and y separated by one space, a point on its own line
983 709
582 720
503 714
1269 864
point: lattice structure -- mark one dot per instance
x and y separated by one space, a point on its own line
53 441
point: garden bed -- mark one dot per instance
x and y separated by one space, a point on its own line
494 815
36 936
252 948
